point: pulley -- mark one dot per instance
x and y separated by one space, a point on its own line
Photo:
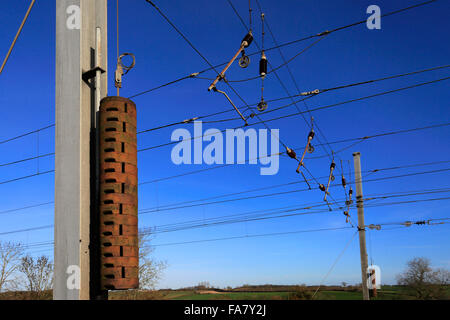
310 148
244 61
262 105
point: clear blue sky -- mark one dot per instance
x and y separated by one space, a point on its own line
407 42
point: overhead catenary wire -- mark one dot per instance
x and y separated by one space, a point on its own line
312 94
150 210
286 63
334 263
278 78
51 243
183 226
229 110
17 35
26 230
26 207
26 134
265 215
313 109
361 139
349 182
273 213
192 75
26 177
211 66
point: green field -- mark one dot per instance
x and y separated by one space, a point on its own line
264 293
386 293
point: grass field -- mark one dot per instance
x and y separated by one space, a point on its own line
264 293
386 293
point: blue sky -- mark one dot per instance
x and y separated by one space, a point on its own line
409 41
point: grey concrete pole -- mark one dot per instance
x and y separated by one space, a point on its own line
361 228
76 25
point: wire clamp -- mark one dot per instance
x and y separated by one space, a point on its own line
123 69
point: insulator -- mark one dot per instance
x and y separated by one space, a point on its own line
263 65
118 208
322 187
262 105
247 40
333 165
291 153
344 182
350 192
311 134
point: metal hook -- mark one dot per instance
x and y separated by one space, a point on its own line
123 69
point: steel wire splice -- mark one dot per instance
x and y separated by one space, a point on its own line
324 189
330 178
310 149
291 153
122 70
350 193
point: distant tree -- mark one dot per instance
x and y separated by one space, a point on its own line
204 285
10 257
38 273
344 284
150 270
425 282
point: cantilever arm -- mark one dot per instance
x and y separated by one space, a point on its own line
228 98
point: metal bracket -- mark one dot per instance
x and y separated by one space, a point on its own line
88 75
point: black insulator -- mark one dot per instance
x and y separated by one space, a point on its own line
333 165
350 192
344 183
247 39
291 153
263 66
322 187
311 135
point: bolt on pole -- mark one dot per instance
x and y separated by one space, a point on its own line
361 225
